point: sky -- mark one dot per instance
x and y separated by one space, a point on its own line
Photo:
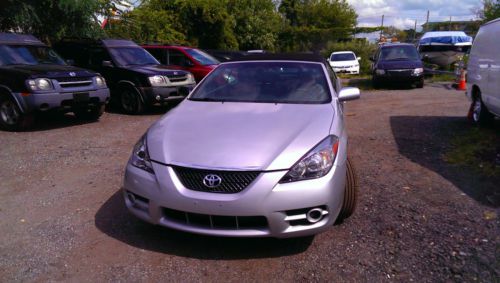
403 13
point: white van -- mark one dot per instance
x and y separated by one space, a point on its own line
483 73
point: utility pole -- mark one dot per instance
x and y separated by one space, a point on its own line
381 29
427 22
415 31
450 23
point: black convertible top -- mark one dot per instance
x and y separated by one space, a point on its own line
306 57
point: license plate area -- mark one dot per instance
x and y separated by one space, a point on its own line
79 97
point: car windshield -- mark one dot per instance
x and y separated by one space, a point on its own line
28 55
202 57
399 53
265 82
128 56
342 57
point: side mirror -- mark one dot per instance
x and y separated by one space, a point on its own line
359 58
425 56
187 63
107 64
349 93
70 62
372 59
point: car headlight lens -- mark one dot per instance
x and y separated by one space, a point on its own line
190 78
100 81
380 72
316 163
418 71
140 156
157 80
40 84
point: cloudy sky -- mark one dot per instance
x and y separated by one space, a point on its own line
403 13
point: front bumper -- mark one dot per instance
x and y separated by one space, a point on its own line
64 100
164 94
156 198
349 70
399 77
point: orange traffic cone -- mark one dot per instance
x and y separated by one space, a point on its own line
461 84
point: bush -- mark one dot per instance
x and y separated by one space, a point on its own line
361 48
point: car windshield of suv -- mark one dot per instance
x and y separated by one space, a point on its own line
28 55
399 53
342 57
265 82
202 57
128 56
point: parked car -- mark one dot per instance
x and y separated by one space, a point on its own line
265 153
397 63
226 56
483 73
136 79
34 78
194 60
344 62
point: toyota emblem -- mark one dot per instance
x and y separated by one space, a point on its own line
212 181
72 74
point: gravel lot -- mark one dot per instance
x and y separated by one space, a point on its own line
418 218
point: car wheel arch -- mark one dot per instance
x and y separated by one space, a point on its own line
6 91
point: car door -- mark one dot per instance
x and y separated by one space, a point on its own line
98 55
177 60
493 41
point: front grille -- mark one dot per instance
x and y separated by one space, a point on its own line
400 73
74 82
177 78
215 221
231 181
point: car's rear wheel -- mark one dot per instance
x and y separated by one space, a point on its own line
480 114
11 117
90 114
130 101
351 192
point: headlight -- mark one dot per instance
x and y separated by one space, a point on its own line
418 71
40 84
100 81
140 156
158 80
190 78
316 163
380 72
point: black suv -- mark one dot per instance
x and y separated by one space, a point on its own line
34 78
397 63
135 77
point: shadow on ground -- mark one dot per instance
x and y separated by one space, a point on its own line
114 220
425 140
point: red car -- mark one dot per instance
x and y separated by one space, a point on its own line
190 59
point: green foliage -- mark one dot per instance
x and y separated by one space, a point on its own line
51 20
314 22
361 48
491 10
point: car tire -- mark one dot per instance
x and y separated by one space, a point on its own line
130 101
90 114
11 116
350 193
479 113
376 83
420 84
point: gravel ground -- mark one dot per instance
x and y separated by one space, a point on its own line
418 218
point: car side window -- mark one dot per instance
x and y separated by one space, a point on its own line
158 53
333 78
97 55
176 57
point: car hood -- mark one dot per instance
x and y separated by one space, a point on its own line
155 70
343 63
50 71
400 64
238 136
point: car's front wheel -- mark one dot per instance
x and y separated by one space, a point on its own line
130 101
11 117
350 193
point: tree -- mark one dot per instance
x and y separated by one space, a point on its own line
51 19
257 23
490 11
312 23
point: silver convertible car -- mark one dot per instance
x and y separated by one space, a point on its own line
259 148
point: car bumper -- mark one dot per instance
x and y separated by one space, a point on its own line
153 198
64 100
399 78
165 94
352 70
